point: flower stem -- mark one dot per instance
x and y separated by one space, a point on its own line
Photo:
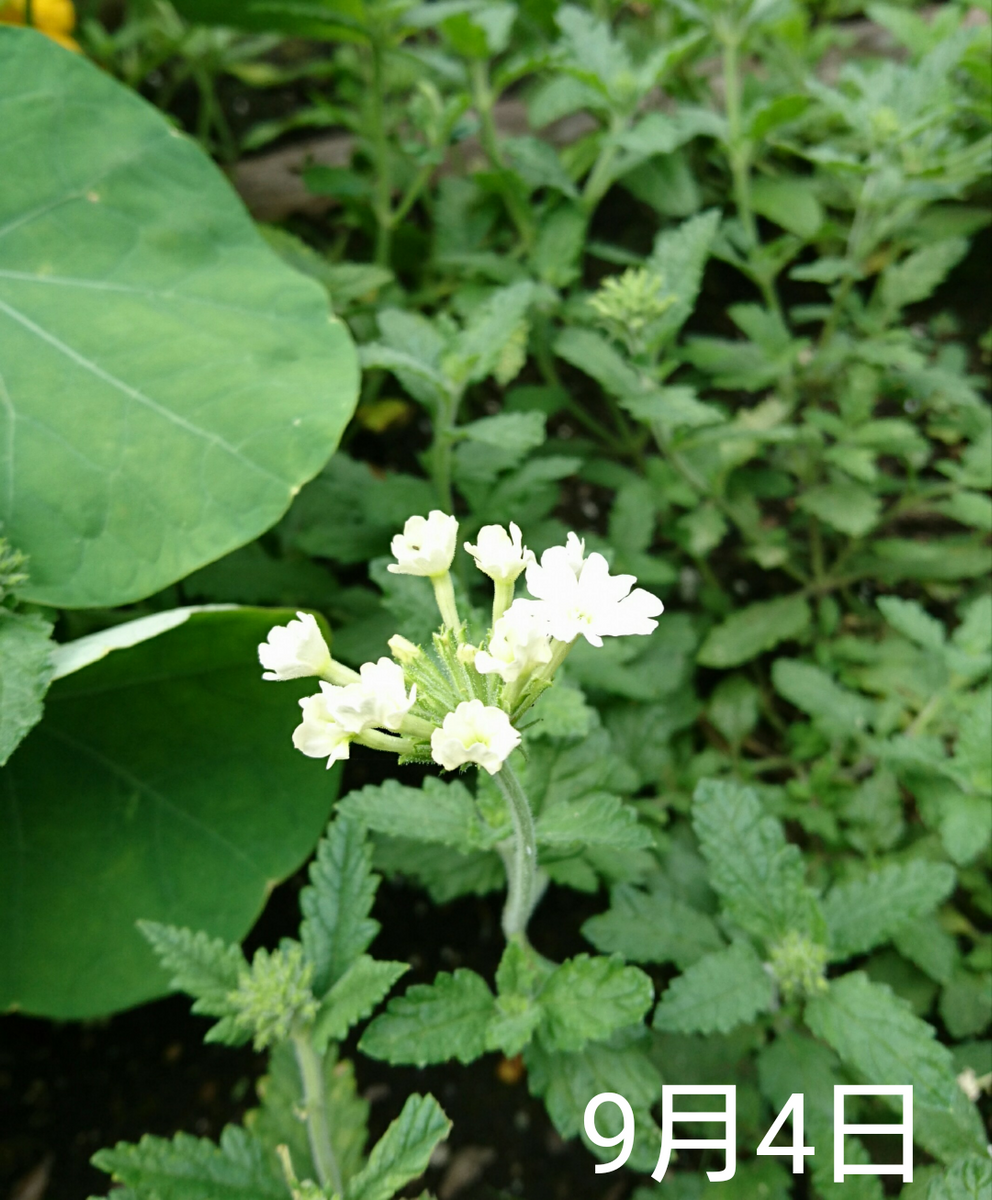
375 739
444 593
339 674
315 1108
503 597
521 863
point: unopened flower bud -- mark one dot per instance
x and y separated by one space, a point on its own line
402 649
466 653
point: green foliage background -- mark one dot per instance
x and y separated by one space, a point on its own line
716 308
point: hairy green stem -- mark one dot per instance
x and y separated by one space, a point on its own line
444 594
521 862
315 1109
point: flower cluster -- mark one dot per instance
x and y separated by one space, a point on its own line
456 703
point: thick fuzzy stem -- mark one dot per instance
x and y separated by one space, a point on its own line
521 861
315 1108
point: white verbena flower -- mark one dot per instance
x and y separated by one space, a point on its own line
379 698
592 603
474 733
295 650
500 555
319 735
426 546
575 551
392 701
519 643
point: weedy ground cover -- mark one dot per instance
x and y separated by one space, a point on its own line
595 451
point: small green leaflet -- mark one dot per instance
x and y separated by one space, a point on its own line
759 876
913 622
189 1168
595 819
205 968
648 927
967 1179
848 506
838 711
354 996
403 1151
587 999
437 812
876 1035
567 1081
433 1022
717 993
865 912
25 672
747 633
336 925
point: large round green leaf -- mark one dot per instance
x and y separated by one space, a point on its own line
166 383
161 783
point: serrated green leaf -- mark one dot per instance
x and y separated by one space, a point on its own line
968 1179
279 1119
865 912
652 928
966 1004
596 819
354 996
876 1035
205 968
433 1022
189 1168
759 876
920 273
588 998
838 711
476 351
718 992
25 672
403 1151
913 622
336 926
208 379
848 506
791 203
792 1063
759 627
679 256
568 1081
436 812
593 354
516 433
675 407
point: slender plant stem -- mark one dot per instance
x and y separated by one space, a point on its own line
375 739
502 597
382 203
440 453
315 1107
444 593
521 863
482 98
